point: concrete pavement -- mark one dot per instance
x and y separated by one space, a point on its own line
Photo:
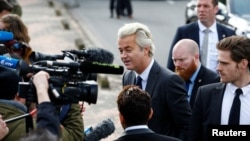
48 35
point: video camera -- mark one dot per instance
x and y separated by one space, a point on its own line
72 79
73 74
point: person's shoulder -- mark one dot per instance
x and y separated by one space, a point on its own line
208 71
215 85
187 29
210 76
160 137
189 25
226 28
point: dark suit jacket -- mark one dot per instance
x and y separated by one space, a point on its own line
204 76
144 135
206 110
191 31
171 109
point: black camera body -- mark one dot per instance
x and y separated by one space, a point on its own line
65 86
72 79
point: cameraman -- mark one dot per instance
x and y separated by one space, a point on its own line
47 116
72 125
11 105
48 125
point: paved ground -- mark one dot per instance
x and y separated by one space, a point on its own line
49 36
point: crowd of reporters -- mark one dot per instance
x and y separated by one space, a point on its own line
68 127
151 111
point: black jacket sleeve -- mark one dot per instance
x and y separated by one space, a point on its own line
48 118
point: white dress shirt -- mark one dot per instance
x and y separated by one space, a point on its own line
228 101
144 74
213 38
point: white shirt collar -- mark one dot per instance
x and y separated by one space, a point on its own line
136 127
212 28
144 74
245 89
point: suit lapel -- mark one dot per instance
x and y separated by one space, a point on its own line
152 78
195 33
129 78
216 97
197 83
221 34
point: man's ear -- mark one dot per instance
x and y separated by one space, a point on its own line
197 56
122 120
244 63
150 114
146 50
121 117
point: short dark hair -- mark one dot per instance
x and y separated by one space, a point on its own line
8 83
4 5
239 46
215 2
135 105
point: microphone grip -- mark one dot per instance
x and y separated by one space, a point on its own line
9 62
6 36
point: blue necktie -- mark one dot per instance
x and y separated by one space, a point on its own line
234 117
138 81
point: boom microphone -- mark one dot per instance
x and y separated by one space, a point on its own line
87 66
102 130
94 55
96 67
56 63
6 36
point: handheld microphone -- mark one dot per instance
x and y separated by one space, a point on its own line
87 66
9 62
16 64
6 36
94 55
102 130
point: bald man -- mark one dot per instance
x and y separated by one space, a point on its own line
186 58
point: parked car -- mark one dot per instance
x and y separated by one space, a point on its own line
231 15
239 8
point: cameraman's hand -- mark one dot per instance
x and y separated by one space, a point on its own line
4 130
82 108
40 80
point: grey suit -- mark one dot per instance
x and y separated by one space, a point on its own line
171 109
